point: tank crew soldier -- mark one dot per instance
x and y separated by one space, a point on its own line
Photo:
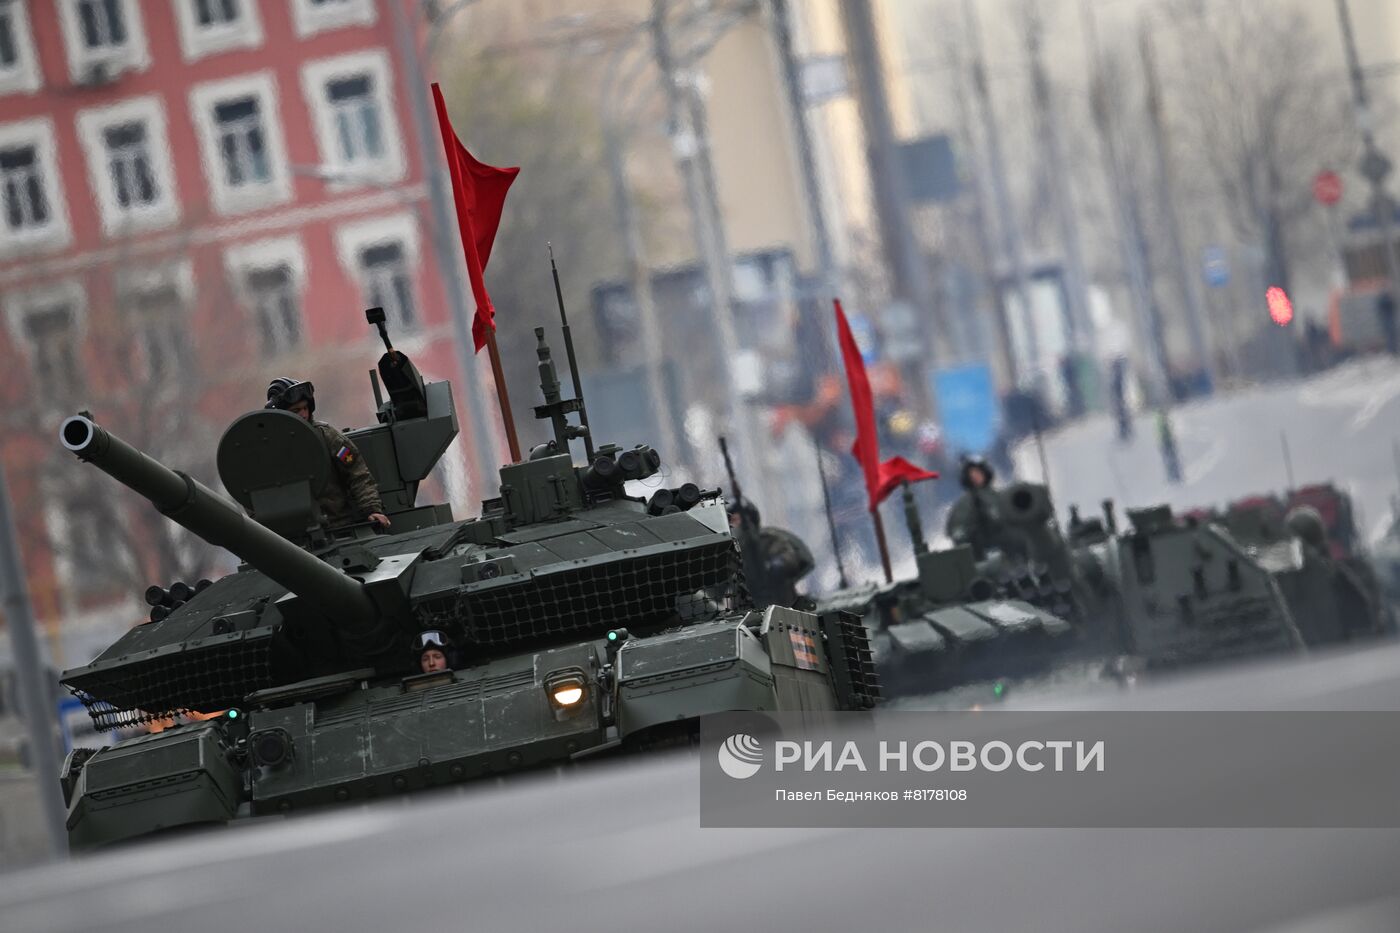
351 495
433 647
975 518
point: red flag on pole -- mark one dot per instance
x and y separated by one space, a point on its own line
880 478
479 191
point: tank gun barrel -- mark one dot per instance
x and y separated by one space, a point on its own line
193 506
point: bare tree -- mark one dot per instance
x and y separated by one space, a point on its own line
1257 114
159 360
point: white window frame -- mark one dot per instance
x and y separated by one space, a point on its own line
179 274
266 254
277 190
92 126
198 41
352 238
56 234
310 18
315 80
23 76
20 304
134 56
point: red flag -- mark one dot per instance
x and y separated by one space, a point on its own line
479 191
880 478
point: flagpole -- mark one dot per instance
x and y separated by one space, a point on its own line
883 544
502 395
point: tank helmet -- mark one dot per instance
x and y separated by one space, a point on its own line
284 392
1306 522
432 639
965 472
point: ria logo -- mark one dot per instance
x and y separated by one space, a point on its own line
740 756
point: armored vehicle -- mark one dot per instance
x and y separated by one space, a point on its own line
1161 593
577 618
958 621
1182 592
1308 542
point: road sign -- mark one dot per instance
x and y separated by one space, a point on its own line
968 408
1327 187
1215 266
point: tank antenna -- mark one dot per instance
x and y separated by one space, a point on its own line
569 351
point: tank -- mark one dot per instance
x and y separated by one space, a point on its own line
584 620
959 620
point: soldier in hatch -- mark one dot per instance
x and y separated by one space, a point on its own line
351 496
975 517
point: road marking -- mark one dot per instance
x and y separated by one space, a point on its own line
1198 468
1376 399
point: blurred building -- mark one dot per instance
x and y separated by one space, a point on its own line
224 184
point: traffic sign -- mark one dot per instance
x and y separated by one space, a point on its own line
1215 266
1327 187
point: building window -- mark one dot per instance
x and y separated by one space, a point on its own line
272 292
215 12
155 315
32 209
242 142
129 157
357 122
51 331
9 42
312 16
387 282
22 183
102 38
129 164
103 24
349 99
17 69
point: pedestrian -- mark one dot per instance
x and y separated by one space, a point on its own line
1166 437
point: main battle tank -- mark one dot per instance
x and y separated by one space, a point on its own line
958 621
587 619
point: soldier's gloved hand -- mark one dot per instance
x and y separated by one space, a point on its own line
380 519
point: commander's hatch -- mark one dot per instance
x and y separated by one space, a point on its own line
416 423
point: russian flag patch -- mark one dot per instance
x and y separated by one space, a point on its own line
345 454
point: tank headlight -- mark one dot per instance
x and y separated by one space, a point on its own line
566 689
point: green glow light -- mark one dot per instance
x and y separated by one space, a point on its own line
612 636
999 688
233 714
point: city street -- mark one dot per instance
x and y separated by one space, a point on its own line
1339 426
620 846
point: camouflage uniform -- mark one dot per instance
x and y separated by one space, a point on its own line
351 495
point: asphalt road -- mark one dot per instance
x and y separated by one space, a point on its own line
619 847
1339 426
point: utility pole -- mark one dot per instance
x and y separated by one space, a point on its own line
986 243
906 260
1077 323
688 129
781 18
1374 165
1145 309
448 254
1189 281
1001 197
36 704
667 412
